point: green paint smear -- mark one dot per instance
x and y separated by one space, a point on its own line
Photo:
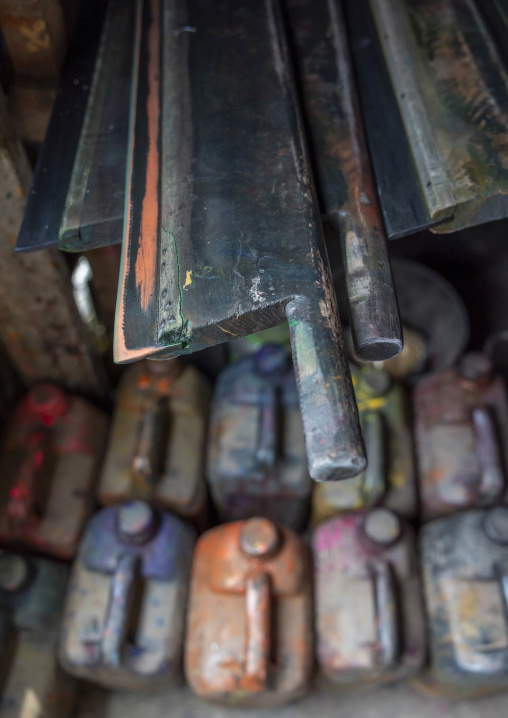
293 323
173 337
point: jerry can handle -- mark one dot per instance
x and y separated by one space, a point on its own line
149 445
20 507
267 436
386 610
488 453
375 473
116 623
333 437
258 618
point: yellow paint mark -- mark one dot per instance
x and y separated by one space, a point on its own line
226 331
188 279
371 404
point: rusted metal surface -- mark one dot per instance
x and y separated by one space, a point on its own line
94 207
249 625
36 37
124 614
257 464
464 559
156 449
344 174
223 235
461 429
369 614
451 90
31 599
390 475
50 460
39 322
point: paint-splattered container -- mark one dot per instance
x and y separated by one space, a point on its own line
31 600
124 614
257 465
369 614
465 571
48 471
156 451
390 478
249 626
461 428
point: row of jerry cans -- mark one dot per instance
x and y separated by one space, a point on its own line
249 607
255 464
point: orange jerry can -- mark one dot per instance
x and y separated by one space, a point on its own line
369 612
461 429
249 624
389 479
49 468
32 593
157 443
465 573
125 607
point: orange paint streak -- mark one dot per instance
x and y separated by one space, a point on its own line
120 352
146 260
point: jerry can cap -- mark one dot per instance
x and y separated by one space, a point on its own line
259 538
382 526
14 572
136 521
271 359
475 367
496 524
47 402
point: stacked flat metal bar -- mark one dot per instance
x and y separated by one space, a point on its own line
52 176
223 234
94 207
434 97
78 190
343 173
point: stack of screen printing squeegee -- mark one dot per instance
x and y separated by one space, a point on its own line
215 141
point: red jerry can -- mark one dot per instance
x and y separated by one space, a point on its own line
461 423
156 450
49 469
465 572
369 614
249 623
32 592
124 613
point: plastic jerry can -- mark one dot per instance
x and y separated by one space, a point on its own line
125 607
465 571
156 451
461 429
390 478
32 592
249 625
49 469
257 465
369 614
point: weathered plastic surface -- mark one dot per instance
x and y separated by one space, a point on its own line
465 571
31 600
249 625
369 613
49 469
461 429
156 448
124 614
257 464
390 478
